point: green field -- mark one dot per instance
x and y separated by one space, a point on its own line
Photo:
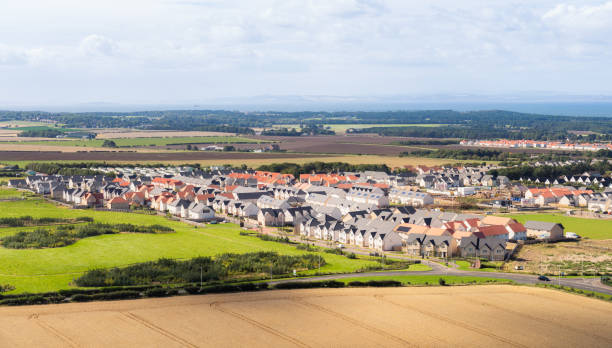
129 142
586 228
39 270
465 266
429 279
6 193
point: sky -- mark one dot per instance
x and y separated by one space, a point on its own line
189 51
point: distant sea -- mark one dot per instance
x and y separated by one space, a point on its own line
586 108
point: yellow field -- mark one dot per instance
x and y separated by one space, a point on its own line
469 316
341 128
391 161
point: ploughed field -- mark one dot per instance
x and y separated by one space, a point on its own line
468 316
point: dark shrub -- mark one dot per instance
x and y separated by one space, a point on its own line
310 285
156 292
82 298
383 283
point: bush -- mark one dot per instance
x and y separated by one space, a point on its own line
441 281
117 295
310 285
351 256
24 300
336 251
156 292
166 271
306 247
109 143
376 283
67 235
84 219
82 298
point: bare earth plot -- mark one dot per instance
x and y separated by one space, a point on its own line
585 256
470 316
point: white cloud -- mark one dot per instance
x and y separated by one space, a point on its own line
12 56
591 17
98 45
338 47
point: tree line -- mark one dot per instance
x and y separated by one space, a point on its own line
485 124
321 167
551 172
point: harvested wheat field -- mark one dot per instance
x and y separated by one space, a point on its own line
357 317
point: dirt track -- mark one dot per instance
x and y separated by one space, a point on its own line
436 316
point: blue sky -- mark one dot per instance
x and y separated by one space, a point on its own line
160 52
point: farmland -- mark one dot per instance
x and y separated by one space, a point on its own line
39 270
341 128
586 228
490 315
150 141
210 158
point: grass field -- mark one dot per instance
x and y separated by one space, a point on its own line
429 279
586 228
129 142
465 266
38 270
6 193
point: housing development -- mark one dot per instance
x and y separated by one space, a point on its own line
363 210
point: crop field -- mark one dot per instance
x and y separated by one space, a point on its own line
466 316
205 158
39 270
150 141
20 124
341 128
586 228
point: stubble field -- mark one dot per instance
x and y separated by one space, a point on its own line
469 316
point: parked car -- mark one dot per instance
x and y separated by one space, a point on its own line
519 268
543 278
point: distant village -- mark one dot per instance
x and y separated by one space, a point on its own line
535 144
370 210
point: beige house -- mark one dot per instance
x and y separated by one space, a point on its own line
271 217
549 231
118 203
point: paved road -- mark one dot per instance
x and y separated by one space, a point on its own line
592 284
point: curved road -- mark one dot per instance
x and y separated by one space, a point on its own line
591 284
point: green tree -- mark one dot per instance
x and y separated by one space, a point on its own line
109 143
